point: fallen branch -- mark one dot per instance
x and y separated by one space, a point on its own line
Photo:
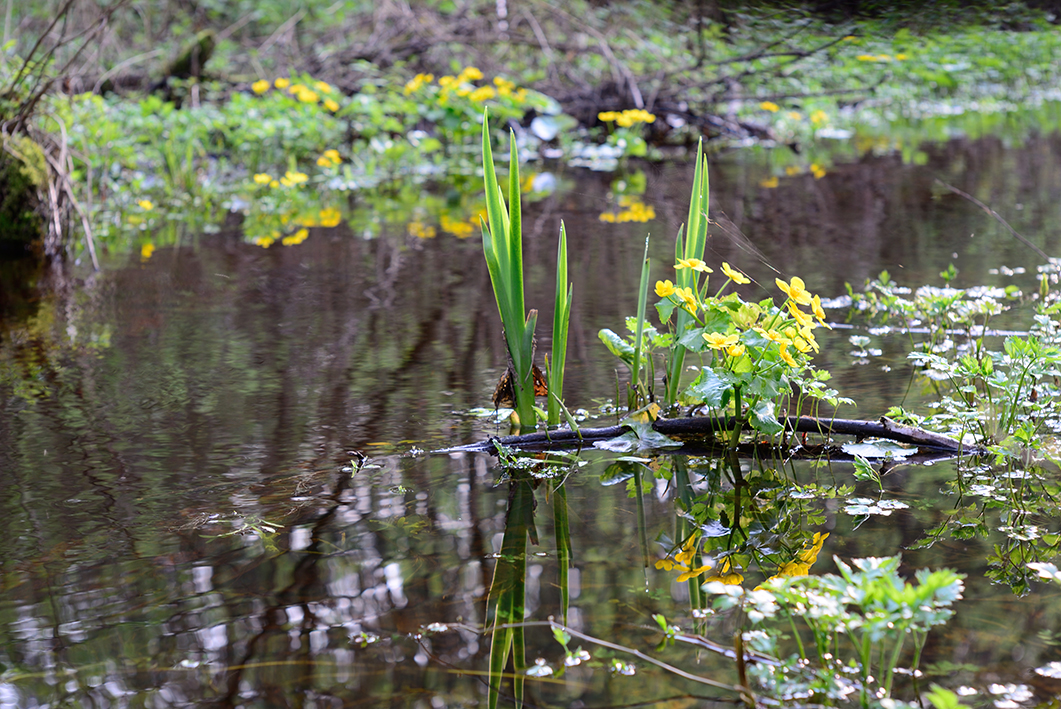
705 425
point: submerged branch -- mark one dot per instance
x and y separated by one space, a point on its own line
699 426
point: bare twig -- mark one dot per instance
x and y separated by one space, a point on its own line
996 215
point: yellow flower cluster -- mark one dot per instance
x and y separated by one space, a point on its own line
880 57
417 83
420 231
302 92
789 327
146 251
634 210
769 106
627 118
329 158
459 229
290 179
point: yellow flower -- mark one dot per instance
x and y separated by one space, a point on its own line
331 105
734 275
417 229
470 72
274 184
794 115
607 217
688 299
146 250
324 162
260 86
718 341
793 170
146 205
666 564
866 58
693 263
769 183
323 87
817 170
264 241
804 319
607 116
447 81
819 116
769 106
816 307
329 158
735 350
901 57
330 216
417 82
664 288
292 178
795 289
308 96
773 336
262 179
282 83
297 238
787 357
685 556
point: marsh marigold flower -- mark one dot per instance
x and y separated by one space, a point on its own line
734 275
795 289
718 341
331 104
260 86
262 179
664 288
769 106
693 263
146 205
282 83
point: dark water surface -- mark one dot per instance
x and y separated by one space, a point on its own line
179 525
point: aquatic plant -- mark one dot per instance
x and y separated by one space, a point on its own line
503 249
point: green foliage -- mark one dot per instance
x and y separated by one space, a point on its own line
854 625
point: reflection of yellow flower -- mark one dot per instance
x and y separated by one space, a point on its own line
459 229
607 217
297 238
800 566
734 275
416 228
792 170
262 179
718 341
146 250
330 217
769 106
769 183
795 289
260 86
664 288
726 574
693 263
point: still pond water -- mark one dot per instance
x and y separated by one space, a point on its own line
179 521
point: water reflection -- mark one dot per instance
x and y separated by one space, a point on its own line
156 423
